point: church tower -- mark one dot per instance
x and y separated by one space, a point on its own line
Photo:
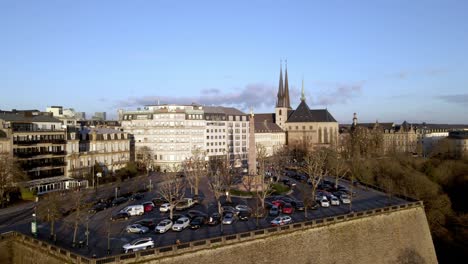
282 103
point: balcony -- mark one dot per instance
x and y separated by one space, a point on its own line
37 165
25 155
40 141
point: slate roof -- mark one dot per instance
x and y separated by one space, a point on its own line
87 130
304 114
222 110
21 117
265 123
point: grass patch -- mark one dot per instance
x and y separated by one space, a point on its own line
241 193
27 195
279 188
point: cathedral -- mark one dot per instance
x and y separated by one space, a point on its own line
303 126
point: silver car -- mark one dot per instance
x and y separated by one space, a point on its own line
139 244
137 228
229 218
163 226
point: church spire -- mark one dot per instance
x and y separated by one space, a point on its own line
302 92
286 88
279 102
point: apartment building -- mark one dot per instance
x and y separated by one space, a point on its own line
174 132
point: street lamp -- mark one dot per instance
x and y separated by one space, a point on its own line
34 221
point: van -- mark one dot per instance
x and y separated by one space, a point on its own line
133 210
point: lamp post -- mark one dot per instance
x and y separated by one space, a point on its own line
34 221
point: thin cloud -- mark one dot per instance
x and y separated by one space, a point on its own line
252 95
340 94
461 99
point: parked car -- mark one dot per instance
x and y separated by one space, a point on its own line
281 220
120 215
274 211
148 206
299 206
242 207
165 207
229 218
278 203
244 215
287 209
139 244
290 200
229 209
133 210
181 224
345 199
334 200
197 222
136 196
324 202
119 200
176 217
194 213
159 200
214 219
163 226
137 228
97 207
289 183
150 223
313 206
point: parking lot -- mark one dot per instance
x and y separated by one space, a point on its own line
104 234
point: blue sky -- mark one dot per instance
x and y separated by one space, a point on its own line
387 60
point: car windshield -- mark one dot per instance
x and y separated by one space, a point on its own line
179 222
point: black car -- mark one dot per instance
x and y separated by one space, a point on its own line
120 215
197 222
274 211
98 207
289 200
149 223
313 206
159 200
119 200
244 215
137 196
214 219
194 213
299 206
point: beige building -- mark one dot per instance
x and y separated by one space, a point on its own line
104 147
268 134
6 142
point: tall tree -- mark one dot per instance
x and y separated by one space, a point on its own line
50 210
215 181
145 157
10 174
77 198
172 190
194 169
315 168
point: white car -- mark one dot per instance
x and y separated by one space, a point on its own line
181 224
164 207
241 207
324 202
163 226
281 220
334 200
139 244
345 199
137 228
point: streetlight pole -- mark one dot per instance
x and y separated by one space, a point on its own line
87 232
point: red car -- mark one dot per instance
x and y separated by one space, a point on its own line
148 206
288 209
278 203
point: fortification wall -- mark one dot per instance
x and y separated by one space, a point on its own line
397 234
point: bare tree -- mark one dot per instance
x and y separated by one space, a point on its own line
265 184
307 199
145 157
215 181
314 166
336 165
10 175
173 190
50 210
278 162
77 197
194 169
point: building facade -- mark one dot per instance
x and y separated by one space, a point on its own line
268 134
109 149
174 132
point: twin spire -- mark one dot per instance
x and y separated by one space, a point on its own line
283 90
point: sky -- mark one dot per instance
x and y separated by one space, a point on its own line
386 60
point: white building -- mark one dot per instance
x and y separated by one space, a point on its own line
268 134
173 132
